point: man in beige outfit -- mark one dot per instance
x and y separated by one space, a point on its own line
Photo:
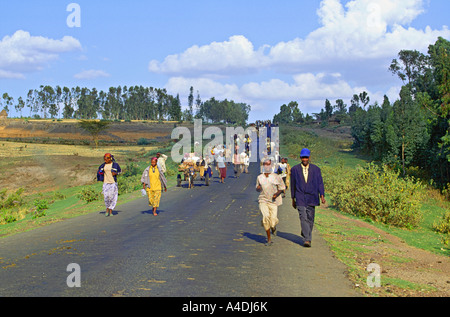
270 186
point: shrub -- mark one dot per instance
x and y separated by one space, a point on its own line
88 194
11 215
12 200
144 141
376 193
443 226
129 184
10 206
41 205
446 192
59 196
130 170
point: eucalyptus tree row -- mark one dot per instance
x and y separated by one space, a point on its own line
123 103
118 103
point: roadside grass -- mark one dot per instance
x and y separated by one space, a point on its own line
423 237
358 246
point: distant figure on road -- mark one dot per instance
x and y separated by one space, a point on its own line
288 173
107 173
282 171
237 162
221 165
162 158
306 188
270 186
154 182
245 162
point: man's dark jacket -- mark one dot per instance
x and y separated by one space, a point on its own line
306 194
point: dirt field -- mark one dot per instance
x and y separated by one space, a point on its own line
67 130
47 167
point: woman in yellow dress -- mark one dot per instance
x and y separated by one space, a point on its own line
154 182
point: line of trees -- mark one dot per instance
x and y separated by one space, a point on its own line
291 113
118 103
414 131
123 103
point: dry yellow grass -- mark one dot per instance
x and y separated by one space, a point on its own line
15 149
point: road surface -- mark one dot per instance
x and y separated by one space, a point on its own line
205 242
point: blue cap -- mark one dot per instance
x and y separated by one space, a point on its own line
305 153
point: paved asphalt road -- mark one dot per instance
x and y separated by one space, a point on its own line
205 242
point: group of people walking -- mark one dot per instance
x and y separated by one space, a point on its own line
304 181
153 181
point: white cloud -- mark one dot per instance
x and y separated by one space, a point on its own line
306 86
237 55
11 75
362 29
91 74
22 53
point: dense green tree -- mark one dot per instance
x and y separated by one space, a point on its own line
94 128
8 101
328 110
190 110
175 112
414 130
20 105
411 126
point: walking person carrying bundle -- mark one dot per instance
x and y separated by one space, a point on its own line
270 186
154 182
107 173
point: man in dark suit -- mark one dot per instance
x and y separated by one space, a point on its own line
306 189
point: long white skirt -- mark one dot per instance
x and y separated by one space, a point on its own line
110 192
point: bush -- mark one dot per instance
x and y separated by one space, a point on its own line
10 206
444 225
446 192
144 141
88 194
376 193
41 205
11 215
130 170
129 184
12 200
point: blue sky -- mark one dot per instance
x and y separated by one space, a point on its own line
265 53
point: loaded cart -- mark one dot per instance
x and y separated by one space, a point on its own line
190 172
